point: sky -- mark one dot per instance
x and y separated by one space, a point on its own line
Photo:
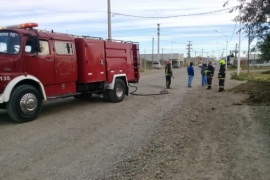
205 24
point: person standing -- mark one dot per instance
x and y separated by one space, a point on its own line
204 77
190 71
168 73
221 75
210 73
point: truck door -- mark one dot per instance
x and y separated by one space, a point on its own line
95 54
40 65
91 60
65 62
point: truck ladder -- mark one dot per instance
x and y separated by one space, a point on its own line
136 61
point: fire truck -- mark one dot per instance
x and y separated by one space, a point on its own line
38 65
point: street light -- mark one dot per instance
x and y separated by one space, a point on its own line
226 46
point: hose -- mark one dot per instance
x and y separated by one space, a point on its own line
160 93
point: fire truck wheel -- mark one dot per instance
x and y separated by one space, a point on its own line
118 93
25 104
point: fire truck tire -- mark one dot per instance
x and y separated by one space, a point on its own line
118 93
25 104
2 106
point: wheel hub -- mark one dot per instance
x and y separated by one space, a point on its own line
119 91
28 103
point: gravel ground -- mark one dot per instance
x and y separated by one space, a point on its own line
189 133
210 135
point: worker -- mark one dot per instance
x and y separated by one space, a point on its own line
210 73
190 71
204 77
221 75
168 73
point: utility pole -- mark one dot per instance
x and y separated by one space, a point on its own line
239 54
162 55
248 47
158 40
239 58
144 59
152 50
109 20
189 48
202 54
195 59
236 56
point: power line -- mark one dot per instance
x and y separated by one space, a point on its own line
233 31
165 17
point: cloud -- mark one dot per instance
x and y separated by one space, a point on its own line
89 17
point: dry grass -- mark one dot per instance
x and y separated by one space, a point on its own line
258 87
263 76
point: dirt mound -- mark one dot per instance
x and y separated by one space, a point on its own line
259 92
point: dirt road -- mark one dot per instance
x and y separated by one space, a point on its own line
189 133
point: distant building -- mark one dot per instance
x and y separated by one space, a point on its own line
254 59
177 59
199 60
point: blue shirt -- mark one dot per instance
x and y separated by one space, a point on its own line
190 70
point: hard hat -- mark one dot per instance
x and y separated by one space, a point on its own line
222 61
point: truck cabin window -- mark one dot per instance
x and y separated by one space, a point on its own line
64 48
44 46
9 42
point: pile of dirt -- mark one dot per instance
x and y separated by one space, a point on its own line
259 92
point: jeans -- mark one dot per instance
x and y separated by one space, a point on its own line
190 78
204 80
168 81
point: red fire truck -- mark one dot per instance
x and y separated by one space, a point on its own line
38 65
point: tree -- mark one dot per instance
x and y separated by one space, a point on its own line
265 48
254 15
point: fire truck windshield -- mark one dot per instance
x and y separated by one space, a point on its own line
9 42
